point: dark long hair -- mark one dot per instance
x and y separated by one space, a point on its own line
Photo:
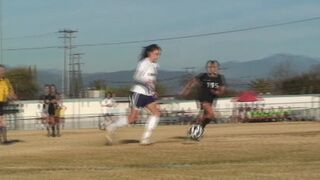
146 50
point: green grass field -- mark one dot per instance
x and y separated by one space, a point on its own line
228 151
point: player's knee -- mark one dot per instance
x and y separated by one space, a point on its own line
154 109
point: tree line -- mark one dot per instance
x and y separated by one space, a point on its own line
284 80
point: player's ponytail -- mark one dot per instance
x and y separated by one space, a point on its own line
146 50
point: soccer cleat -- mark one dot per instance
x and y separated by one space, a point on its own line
146 142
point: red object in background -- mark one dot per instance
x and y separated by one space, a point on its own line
248 96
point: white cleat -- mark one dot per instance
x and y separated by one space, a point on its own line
145 142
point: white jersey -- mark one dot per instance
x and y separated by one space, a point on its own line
108 105
145 77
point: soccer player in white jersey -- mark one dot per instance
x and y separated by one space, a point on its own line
108 104
143 95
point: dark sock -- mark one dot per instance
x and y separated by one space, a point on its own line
205 122
48 130
53 130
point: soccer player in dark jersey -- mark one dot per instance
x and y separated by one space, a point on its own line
51 101
211 85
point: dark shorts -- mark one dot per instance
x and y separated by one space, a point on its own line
2 104
140 101
208 99
51 110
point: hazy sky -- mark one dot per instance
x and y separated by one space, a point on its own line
126 20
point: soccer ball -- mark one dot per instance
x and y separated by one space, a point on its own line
195 132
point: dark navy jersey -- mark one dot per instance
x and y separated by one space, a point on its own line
51 105
49 97
209 84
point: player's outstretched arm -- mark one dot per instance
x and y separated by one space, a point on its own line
186 90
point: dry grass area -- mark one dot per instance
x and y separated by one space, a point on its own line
228 151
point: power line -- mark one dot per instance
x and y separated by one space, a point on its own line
179 37
204 34
32 48
31 36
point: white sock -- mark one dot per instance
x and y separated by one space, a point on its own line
121 122
151 124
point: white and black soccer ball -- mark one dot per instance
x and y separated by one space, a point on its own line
195 132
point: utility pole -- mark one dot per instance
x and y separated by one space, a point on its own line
76 75
67 36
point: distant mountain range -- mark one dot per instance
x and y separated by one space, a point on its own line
262 68
236 73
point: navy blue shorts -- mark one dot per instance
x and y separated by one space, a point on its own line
140 101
